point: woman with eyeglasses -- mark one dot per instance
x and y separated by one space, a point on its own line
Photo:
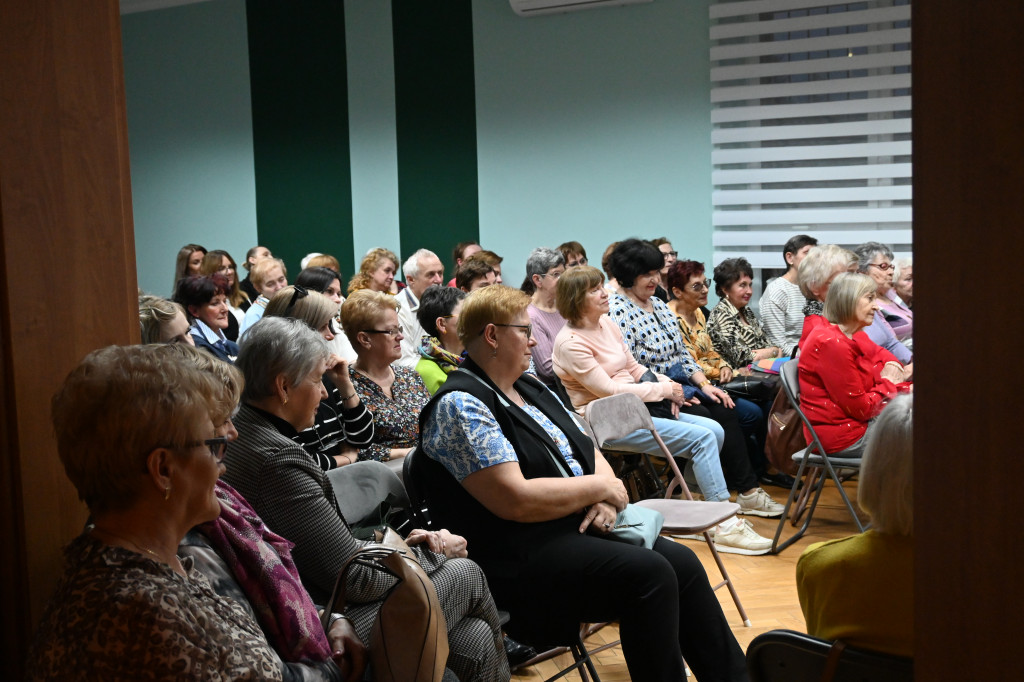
343 424
394 394
219 261
543 268
875 261
283 362
507 466
137 434
734 328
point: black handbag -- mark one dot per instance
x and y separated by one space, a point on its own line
757 389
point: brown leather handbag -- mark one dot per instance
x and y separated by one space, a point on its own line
785 435
409 639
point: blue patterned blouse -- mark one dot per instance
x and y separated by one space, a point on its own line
652 338
470 439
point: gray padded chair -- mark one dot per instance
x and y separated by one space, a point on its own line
360 487
785 656
619 415
813 458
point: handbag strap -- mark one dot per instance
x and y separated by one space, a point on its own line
370 556
835 652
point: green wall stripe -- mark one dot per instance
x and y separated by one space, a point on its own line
299 87
435 108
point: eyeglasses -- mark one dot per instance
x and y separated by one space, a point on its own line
884 267
226 268
553 275
218 446
300 293
581 261
528 328
389 332
700 286
674 254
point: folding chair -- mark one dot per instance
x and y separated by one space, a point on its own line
785 655
574 635
813 459
619 415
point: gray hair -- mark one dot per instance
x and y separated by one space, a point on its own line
886 490
277 346
867 251
411 267
543 259
901 265
819 264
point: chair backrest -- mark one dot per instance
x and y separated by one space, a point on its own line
360 488
789 373
785 655
412 477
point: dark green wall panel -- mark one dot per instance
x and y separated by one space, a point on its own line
435 109
300 128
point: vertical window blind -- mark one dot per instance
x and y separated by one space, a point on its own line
811 126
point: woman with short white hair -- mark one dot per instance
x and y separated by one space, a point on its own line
861 588
844 382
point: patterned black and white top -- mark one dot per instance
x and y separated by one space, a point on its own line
336 425
652 337
736 339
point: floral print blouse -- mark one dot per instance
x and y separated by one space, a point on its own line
699 343
735 337
396 420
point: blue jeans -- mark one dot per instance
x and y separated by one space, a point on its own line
693 438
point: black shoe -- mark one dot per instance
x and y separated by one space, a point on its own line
517 653
778 479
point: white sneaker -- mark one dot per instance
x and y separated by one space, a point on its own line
759 503
740 538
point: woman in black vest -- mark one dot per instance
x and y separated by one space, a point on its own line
509 469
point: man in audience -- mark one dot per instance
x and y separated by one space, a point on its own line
782 305
474 274
422 269
492 259
460 253
252 257
573 253
268 276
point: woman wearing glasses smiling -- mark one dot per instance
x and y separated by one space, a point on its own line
393 393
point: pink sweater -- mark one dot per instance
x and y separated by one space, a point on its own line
597 364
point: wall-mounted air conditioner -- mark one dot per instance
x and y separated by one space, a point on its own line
529 8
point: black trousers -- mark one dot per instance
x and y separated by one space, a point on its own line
735 456
661 598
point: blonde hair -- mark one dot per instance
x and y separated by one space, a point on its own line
362 309
228 376
573 287
259 272
496 304
324 260
819 264
314 308
117 406
846 290
371 261
886 490
154 313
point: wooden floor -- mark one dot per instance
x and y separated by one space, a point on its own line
766 585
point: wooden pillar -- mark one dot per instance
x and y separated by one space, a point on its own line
968 242
68 279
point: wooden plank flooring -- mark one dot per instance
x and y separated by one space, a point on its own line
766 585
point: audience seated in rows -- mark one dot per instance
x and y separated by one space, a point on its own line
860 589
342 424
592 362
204 299
421 270
395 394
845 381
509 468
440 348
268 276
283 362
782 304
543 268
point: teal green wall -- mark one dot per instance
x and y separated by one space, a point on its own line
593 126
300 128
186 75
